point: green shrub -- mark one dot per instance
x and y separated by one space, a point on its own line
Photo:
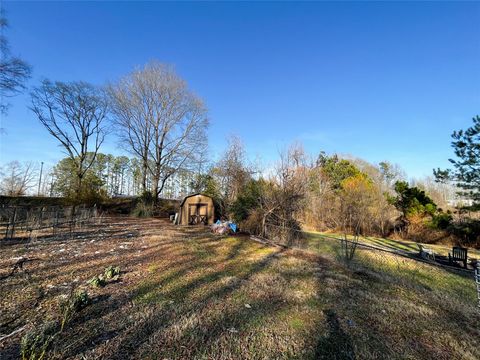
111 272
74 303
79 300
468 231
97 281
441 220
247 200
147 198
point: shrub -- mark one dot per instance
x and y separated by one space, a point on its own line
253 223
247 200
147 198
97 281
74 303
143 210
111 272
35 343
468 231
79 300
441 220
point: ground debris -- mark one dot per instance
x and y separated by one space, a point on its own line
17 266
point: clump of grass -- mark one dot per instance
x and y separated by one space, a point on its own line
297 323
143 210
74 303
35 344
111 272
97 281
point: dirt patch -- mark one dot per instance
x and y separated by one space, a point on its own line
183 293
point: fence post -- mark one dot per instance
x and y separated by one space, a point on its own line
40 224
14 218
55 222
477 281
7 229
72 216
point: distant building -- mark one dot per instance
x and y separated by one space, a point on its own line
459 202
196 209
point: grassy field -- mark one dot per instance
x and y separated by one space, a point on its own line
406 246
186 294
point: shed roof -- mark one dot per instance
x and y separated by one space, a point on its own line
191 195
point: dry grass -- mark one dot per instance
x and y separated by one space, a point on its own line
400 245
185 294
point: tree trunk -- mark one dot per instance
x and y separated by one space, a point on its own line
155 184
79 186
144 176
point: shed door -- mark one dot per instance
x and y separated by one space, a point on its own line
197 214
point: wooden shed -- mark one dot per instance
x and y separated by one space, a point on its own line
196 209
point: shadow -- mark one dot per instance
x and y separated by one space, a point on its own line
183 297
337 344
89 329
170 314
394 245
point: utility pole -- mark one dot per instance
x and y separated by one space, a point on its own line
40 179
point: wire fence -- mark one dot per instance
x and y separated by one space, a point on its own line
406 268
21 222
477 281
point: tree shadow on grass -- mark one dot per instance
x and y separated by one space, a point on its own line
337 344
164 314
169 315
395 245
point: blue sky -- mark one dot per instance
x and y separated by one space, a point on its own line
381 81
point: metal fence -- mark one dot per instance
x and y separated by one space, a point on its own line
477 281
403 268
31 222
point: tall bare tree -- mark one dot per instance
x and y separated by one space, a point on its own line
73 113
17 178
14 72
232 170
132 117
283 195
161 121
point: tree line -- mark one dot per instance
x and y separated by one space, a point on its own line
156 117
109 176
158 120
163 126
333 193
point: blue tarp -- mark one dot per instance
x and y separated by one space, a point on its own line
222 227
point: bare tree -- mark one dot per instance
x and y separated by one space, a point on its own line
284 195
14 72
440 192
132 117
232 170
17 178
161 121
73 113
291 175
